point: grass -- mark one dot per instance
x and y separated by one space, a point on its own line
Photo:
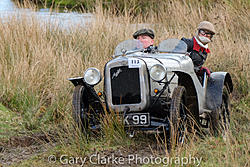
37 60
10 123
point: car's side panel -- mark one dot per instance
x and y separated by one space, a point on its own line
215 87
183 66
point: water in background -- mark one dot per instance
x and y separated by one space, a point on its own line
59 20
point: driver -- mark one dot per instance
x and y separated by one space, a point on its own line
146 36
198 46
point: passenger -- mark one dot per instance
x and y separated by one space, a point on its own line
198 46
146 36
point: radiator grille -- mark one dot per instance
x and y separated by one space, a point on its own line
125 85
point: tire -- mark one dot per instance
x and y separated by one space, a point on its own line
178 116
80 108
220 118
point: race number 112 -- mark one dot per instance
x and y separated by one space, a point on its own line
134 63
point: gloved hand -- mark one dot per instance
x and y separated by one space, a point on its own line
150 49
205 69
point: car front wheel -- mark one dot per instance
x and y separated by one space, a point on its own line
80 108
178 115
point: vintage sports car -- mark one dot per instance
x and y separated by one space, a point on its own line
153 91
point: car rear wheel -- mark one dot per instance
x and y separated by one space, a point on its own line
220 118
80 108
178 116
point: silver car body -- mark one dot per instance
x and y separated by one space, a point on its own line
130 90
172 63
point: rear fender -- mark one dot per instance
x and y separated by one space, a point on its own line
215 89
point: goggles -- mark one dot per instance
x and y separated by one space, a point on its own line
206 33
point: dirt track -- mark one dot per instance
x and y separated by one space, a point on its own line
22 148
19 148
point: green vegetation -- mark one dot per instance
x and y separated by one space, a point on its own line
37 60
10 123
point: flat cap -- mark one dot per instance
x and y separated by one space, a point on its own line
144 31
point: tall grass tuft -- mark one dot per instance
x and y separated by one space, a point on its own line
113 129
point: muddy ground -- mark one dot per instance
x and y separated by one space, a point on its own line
20 148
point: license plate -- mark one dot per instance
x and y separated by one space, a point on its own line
137 119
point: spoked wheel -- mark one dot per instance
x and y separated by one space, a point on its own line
220 118
81 108
178 116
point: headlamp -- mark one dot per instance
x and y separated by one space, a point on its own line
92 76
157 72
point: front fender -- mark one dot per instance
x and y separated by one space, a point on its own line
76 81
91 94
215 89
